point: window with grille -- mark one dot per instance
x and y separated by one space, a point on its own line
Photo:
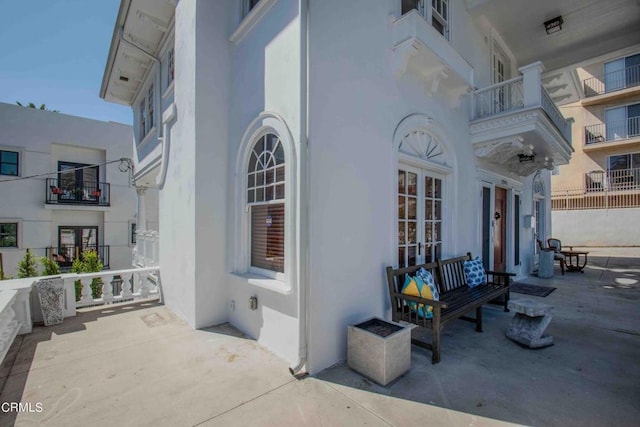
265 197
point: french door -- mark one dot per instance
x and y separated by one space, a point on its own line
72 241
420 195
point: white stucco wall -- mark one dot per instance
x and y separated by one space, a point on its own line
597 227
43 138
355 103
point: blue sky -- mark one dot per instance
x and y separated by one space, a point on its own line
54 52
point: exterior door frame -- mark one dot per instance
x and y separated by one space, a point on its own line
422 171
510 242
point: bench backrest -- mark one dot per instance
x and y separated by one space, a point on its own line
451 273
396 278
447 274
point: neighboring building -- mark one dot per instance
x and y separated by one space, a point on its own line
300 146
602 181
86 203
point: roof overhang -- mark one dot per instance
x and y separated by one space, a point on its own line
140 30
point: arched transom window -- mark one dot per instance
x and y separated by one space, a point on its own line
266 201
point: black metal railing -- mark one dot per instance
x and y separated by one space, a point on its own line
83 194
613 180
65 254
613 81
612 131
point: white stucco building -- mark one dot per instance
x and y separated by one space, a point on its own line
300 146
61 188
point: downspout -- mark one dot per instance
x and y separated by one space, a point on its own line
162 130
299 370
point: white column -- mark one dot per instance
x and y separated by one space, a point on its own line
141 220
532 82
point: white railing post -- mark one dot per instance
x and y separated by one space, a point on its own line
107 290
126 286
532 82
144 285
87 298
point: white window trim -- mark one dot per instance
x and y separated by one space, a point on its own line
18 237
282 283
249 20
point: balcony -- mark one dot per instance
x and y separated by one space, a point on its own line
612 86
421 50
612 189
516 126
83 194
65 254
606 135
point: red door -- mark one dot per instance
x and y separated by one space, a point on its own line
500 230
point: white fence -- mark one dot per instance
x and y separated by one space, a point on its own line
20 305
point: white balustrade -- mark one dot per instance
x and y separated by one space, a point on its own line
145 254
139 277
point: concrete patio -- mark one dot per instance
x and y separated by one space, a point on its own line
138 364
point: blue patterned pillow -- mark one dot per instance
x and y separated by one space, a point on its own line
427 278
474 272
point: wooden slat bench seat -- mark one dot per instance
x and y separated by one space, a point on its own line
456 298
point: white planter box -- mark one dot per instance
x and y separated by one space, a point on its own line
380 350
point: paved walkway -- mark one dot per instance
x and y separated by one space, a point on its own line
140 365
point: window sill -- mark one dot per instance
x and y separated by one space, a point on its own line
168 90
147 137
250 20
267 283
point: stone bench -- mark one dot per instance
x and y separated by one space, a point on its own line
529 323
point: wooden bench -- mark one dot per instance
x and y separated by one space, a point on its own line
456 298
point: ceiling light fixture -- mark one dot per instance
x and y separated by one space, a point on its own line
553 25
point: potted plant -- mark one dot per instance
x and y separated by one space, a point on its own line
55 190
96 193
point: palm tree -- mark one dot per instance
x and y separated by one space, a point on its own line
42 107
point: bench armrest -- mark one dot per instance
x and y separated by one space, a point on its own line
419 300
499 277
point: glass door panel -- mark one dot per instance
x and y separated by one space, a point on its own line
419 217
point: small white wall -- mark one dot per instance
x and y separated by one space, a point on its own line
597 227
42 139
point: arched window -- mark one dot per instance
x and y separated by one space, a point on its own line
266 203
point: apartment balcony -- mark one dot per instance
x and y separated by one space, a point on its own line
517 128
421 50
612 87
65 254
613 134
611 189
71 194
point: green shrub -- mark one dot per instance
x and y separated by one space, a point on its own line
88 262
49 267
28 267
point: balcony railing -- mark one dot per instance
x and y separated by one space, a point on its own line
613 81
84 194
602 190
146 251
612 131
65 254
499 98
509 96
555 115
613 180
16 306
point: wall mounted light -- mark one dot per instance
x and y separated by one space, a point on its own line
524 158
553 25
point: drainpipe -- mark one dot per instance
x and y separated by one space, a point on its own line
298 370
156 99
